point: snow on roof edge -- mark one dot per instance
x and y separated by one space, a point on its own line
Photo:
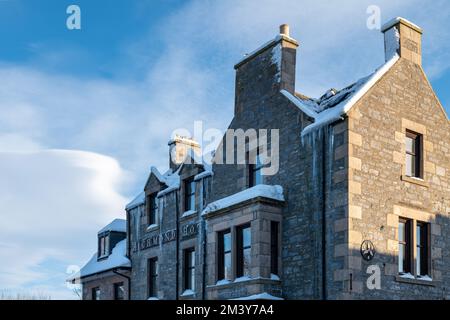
137 201
396 20
119 225
267 191
333 114
310 113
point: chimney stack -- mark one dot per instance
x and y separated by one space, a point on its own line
404 38
181 147
284 30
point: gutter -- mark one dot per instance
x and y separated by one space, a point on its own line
324 219
177 212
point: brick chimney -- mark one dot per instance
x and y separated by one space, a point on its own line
179 148
267 70
404 38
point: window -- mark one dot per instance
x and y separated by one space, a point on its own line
274 231
96 293
243 252
224 255
404 246
255 174
119 291
413 154
103 245
189 269
152 211
153 277
422 249
420 254
189 196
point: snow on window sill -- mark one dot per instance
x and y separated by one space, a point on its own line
188 213
152 227
153 298
222 282
419 280
187 292
274 277
242 279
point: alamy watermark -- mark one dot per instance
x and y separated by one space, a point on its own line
234 146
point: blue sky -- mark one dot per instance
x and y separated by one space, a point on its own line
84 113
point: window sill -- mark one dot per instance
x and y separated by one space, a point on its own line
187 293
417 181
152 227
412 280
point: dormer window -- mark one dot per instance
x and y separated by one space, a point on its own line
103 246
189 195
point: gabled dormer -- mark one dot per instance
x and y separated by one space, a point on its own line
109 236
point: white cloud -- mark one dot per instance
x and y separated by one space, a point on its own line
53 204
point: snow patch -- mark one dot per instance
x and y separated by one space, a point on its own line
392 43
259 296
276 60
243 279
265 191
222 282
139 200
189 213
188 292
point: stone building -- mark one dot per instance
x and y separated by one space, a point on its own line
357 207
106 275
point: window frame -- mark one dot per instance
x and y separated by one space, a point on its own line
241 247
152 209
422 249
103 246
95 293
152 274
117 287
254 171
189 194
407 245
221 254
416 154
189 269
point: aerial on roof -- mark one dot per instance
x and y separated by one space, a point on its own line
118 225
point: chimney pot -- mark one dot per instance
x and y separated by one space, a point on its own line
284 29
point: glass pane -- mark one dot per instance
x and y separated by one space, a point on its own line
246 262
247 237
227 265
410 165
192 202
227 242
418 259
410 145
401 258
401 231
192 279
258 177
418 234
192 258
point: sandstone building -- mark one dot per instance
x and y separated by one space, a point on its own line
363 189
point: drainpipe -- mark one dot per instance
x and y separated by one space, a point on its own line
324 218
128 281
177 245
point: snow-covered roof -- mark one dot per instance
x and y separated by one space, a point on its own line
262 190
139 200
117 259
118 225
334 104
